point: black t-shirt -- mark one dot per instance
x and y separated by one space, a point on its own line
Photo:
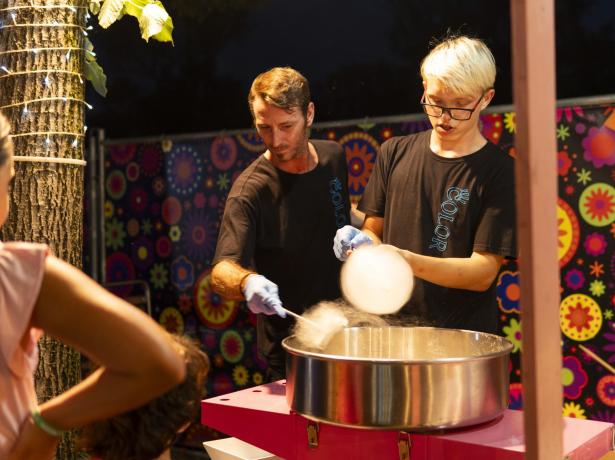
445 207
282 225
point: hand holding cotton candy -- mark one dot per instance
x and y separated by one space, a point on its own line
377 279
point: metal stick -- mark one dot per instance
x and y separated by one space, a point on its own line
299 317
597 358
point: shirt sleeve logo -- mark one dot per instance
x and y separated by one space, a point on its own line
449 208
337 200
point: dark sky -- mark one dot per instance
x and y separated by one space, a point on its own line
319 35
361 57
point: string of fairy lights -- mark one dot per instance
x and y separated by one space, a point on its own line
10 19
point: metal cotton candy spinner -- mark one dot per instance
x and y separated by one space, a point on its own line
386 377
411 378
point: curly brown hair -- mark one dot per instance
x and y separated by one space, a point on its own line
146 432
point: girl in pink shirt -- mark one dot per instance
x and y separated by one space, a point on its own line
39 292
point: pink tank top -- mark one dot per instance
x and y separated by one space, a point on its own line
22 266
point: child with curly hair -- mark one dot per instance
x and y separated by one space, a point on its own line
146 433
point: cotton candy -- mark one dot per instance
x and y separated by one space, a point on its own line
377 280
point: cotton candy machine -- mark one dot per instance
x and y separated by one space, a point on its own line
410 378
399 386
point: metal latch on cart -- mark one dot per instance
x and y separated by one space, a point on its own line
312 434
404 443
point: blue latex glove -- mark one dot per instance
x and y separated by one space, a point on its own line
348 238
262 296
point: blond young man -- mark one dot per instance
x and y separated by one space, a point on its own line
274 246
445 197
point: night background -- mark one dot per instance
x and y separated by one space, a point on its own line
164 198
361 56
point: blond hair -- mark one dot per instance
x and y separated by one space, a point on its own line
283 87
6 143
462 64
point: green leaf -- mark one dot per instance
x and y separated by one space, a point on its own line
95 6
89 50
153 19
95 73
155 22
110 11
134 7
165 34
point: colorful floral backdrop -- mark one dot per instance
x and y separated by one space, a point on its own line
164 202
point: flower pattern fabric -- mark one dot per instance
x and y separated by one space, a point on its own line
164 202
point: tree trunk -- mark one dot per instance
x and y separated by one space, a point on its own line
42 92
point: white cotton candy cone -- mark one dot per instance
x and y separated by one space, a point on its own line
377 280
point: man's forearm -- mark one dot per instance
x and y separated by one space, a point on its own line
475 273
373 227
228 278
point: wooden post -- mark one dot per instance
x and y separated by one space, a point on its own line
533 51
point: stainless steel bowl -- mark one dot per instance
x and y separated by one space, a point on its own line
411 378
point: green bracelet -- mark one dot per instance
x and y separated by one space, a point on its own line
44 425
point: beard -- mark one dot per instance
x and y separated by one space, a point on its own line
290 152
287 153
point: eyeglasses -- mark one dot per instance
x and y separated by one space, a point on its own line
455 113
